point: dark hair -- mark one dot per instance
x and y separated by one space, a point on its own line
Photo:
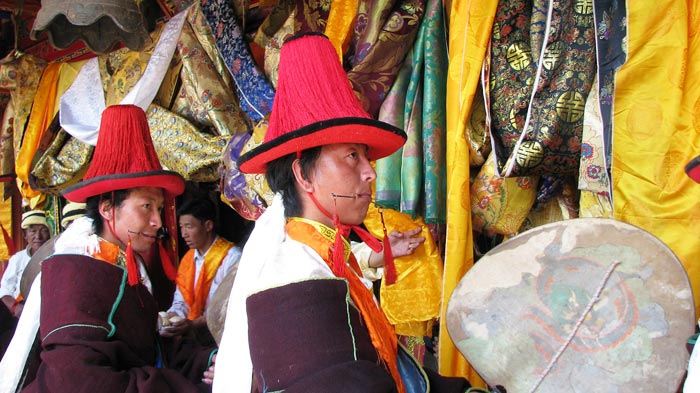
281 179
201 208
116 198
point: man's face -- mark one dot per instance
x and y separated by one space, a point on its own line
138 218
197 234
343 169
36 235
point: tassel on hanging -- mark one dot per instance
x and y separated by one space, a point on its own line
390 273
166 262
132 272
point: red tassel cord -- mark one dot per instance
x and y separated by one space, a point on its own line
166 262
132 271
343 230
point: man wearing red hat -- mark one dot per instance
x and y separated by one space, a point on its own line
99 313
301 317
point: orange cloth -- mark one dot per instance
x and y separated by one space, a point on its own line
109 252
321 238
196 294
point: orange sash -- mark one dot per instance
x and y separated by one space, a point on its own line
111 253
195 295
321 238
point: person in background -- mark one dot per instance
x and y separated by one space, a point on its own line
71 212
205 265
36 233
96 301
301 315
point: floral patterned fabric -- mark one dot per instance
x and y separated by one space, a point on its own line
20 75
500 205
539 81
611 41
593 173
206 96
234 189
63 164
384 33
247 194
183 148
255 93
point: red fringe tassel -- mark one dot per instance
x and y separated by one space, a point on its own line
167 264
132 272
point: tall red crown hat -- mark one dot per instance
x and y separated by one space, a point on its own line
315 105
124 158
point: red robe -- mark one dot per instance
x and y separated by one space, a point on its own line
98 334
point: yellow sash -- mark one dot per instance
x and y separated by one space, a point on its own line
195 295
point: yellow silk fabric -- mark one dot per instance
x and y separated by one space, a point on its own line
592 204
43 111
657 127
21 76
470 30
412 304
340 23
500 204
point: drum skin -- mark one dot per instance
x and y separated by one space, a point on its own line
34 266
527 317
216 309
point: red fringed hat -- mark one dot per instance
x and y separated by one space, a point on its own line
124 158
693 169
315 105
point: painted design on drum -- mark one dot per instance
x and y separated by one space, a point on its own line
562 299
559 298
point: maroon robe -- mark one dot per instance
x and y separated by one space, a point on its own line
98 334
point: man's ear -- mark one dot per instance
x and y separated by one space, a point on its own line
105 210
209 225
305 184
